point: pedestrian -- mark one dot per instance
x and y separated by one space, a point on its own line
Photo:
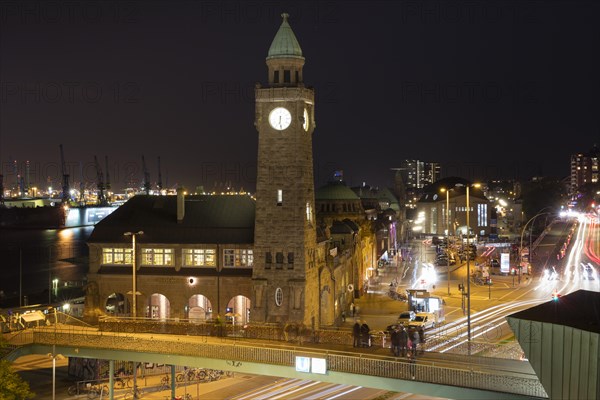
365 333
403 340
343 316
395 338
356 334
421 332
352 309
414 341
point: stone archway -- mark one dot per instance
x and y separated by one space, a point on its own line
199 308
238 310
117 304
158 306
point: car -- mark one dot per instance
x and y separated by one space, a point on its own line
588 272
405 317
426 320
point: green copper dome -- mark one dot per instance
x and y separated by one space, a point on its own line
285 44
335 191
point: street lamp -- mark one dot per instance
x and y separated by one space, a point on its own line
476 185
447 233
134 285
522 232
54 357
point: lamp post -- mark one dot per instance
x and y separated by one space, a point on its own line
468 278
134 284
522 232
476 185
447 235
54 357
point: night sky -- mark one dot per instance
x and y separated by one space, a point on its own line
490 90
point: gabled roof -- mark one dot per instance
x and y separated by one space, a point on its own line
386 194
365 192
580 310
207 220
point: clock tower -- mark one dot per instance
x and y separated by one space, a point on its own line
285 277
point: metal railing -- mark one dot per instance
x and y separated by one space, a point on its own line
449 372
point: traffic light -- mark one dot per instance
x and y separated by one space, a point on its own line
460 287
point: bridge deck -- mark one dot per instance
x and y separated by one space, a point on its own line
434 374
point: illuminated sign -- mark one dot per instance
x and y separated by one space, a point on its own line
311 364
504 263
318 365
302 364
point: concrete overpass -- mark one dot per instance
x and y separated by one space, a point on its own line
443 376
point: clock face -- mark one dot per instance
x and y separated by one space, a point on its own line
305 124
280 118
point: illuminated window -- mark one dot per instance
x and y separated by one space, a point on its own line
238 258
117 256
157 256
308 212
481 214
279 197
199 257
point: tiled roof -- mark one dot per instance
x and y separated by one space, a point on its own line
207 219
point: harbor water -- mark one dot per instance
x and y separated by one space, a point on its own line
42 266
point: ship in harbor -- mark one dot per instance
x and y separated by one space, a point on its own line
68 207
29 212
50 213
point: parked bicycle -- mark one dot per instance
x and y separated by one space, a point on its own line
133 393
98 390
122 382
165 383
191 374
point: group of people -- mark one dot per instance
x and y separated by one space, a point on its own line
361 334
407 339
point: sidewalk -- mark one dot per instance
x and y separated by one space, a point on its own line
379 310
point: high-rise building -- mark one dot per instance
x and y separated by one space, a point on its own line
584 169
418 174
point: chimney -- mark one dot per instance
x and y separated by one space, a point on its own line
180 205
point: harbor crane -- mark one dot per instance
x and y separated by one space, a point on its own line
100 184
146 183
159 183
81 185
66 191
1 190
107 184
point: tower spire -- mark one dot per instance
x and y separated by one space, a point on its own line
285 59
